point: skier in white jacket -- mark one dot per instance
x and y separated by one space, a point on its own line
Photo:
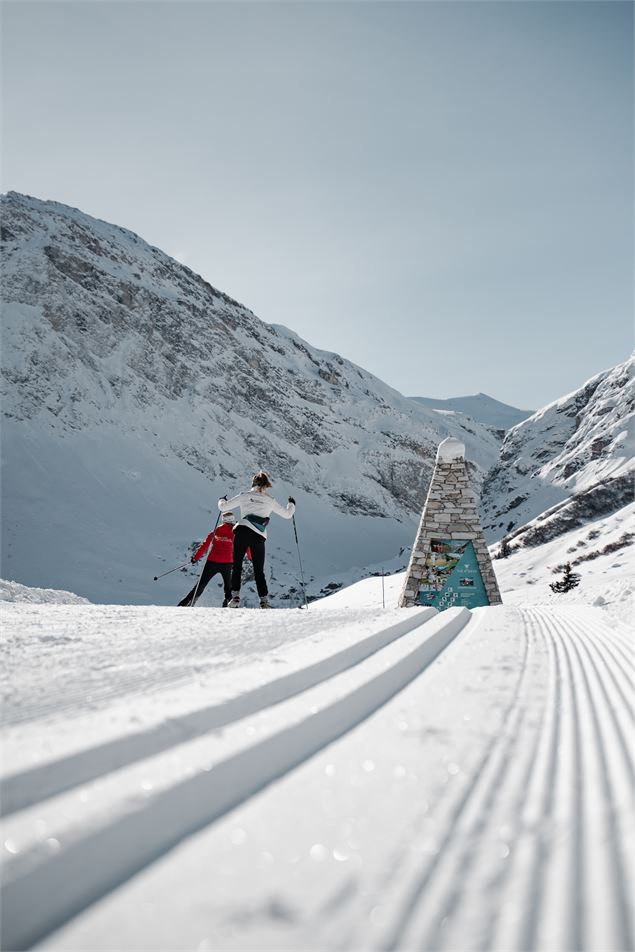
250 532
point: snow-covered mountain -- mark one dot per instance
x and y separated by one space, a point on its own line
135 394
479 407
570 462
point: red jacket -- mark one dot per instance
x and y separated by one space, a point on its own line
222 548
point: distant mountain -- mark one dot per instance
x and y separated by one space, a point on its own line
481 408
135 393
568 463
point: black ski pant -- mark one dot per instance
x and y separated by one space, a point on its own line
244 539
209 571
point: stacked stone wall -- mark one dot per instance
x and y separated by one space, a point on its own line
449 513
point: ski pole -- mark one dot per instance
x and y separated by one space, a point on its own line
295 532
204 560
175 569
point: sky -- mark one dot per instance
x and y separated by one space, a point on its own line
441 192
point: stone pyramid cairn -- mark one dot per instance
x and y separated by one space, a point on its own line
449 513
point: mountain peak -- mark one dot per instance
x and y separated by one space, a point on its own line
480 407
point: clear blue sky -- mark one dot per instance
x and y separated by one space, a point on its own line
440 191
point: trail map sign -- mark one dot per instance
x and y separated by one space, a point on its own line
452 576
449 563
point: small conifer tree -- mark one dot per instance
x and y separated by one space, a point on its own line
505 549
569 580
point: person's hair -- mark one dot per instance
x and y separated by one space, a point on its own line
261 480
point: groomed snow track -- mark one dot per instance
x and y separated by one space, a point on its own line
39 783
511 838
41 891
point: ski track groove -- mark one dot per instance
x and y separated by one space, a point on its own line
518 932
476 839
616 869
422 878
540 814
501 881
572 908
562 793
615 672
34 784
142 835
622 730
575 919
620 708
621 654
624 640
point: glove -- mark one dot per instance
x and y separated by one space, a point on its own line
291 499
224 497
193 560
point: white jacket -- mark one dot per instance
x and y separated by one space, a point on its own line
255 509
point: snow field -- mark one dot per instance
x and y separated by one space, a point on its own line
236 692
487 805
126 669
135 814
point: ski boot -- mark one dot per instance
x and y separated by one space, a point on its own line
234 601
264 603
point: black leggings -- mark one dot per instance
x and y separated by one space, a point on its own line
244 539
209 571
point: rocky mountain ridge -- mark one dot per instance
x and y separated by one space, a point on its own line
570 462
146 328
135 392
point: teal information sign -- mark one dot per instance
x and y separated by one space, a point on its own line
452 576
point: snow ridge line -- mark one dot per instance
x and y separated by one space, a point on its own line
559 789
45 896
514 928
618 649
566 918
29 787
477 832
574 852
420 908
500 881
608 763
617 671
623 719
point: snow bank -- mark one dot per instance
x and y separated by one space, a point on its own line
14 592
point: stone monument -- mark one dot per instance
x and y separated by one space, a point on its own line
450 564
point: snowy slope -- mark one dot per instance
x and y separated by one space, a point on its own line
135 394
602 552
574 456
14 592
480 408
349 779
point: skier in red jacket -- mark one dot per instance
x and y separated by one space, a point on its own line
219 559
